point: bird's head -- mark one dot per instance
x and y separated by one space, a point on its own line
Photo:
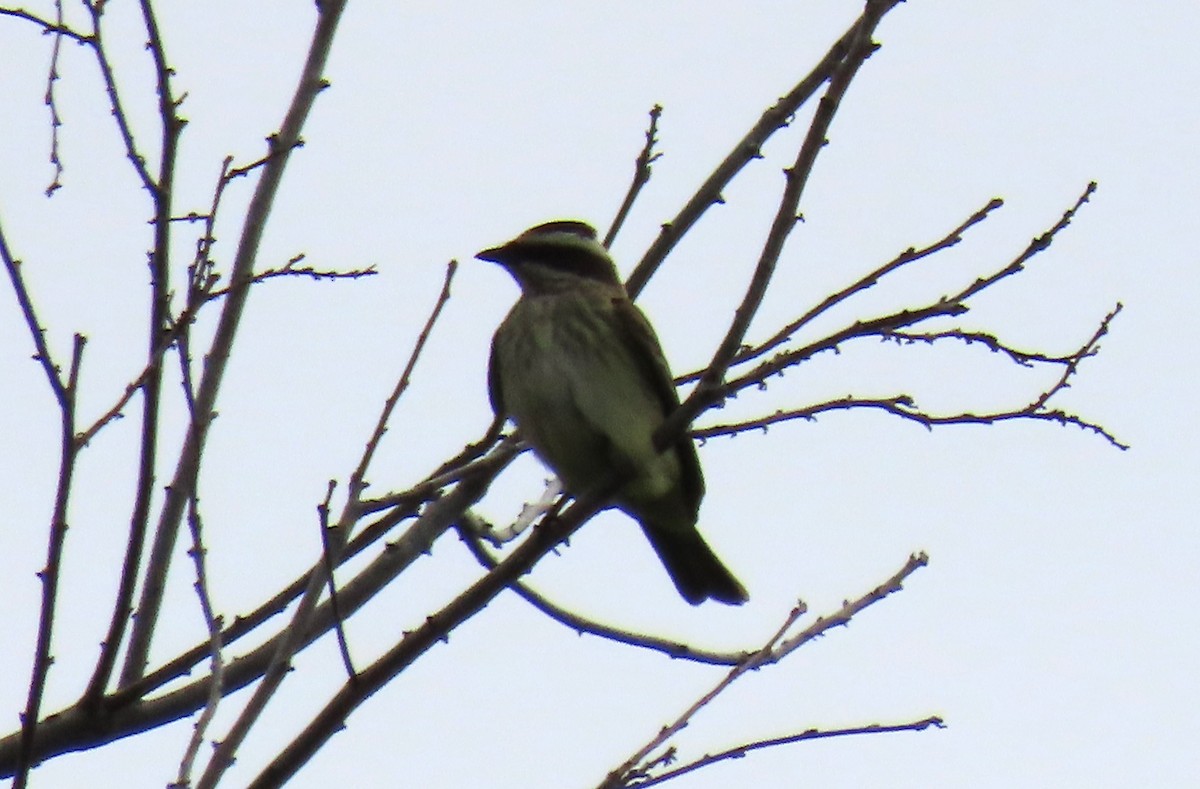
555 256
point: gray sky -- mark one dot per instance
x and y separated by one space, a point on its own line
1053 628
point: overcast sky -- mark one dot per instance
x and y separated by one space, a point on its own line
1054 628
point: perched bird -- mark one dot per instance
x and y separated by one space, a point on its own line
579 369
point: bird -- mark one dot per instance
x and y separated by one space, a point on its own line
579 370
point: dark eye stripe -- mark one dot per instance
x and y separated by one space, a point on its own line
583 262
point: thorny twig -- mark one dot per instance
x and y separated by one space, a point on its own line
641 175
310 84
906 257
213 624
708 389
294 636
745 151
906 407
55 118
889 325
775 649
740 751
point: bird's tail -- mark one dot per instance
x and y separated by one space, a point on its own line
696 571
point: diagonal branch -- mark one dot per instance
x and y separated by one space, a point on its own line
740 751
641 175
906 257
162 192
889 324
334 540
776 648
748 149
50 574
905 406
311 83
48 27
51 100
581 624
708 389
36 332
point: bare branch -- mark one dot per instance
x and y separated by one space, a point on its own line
745 749
990 341
213 624
909 255
36 332
50 574
904 406
311 83
581 624
96 40
890 324
708 389
56 28
1037 245
413 519
327 553
641 175
55 119
775 649
748 149
334 540
358 477
291 269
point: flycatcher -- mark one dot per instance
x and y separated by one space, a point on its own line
580 371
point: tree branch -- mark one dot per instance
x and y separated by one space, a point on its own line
311 83
636 769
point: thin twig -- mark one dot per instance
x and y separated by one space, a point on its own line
358 477
990 341
161 190
48 28
581 624
213 624
739 751
50 574
622 775
331 583
1037 245
905 406
906 257
55 119
446 474
775 649
946 306
96 40
641 175
36 332
333 541
290 269
747 150
707 390
311 83
200 281
433 629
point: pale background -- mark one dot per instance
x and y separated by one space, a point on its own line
1055 628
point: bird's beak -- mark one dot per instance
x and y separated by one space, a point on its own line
494 255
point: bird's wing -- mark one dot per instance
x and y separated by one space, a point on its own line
495 393
639 337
